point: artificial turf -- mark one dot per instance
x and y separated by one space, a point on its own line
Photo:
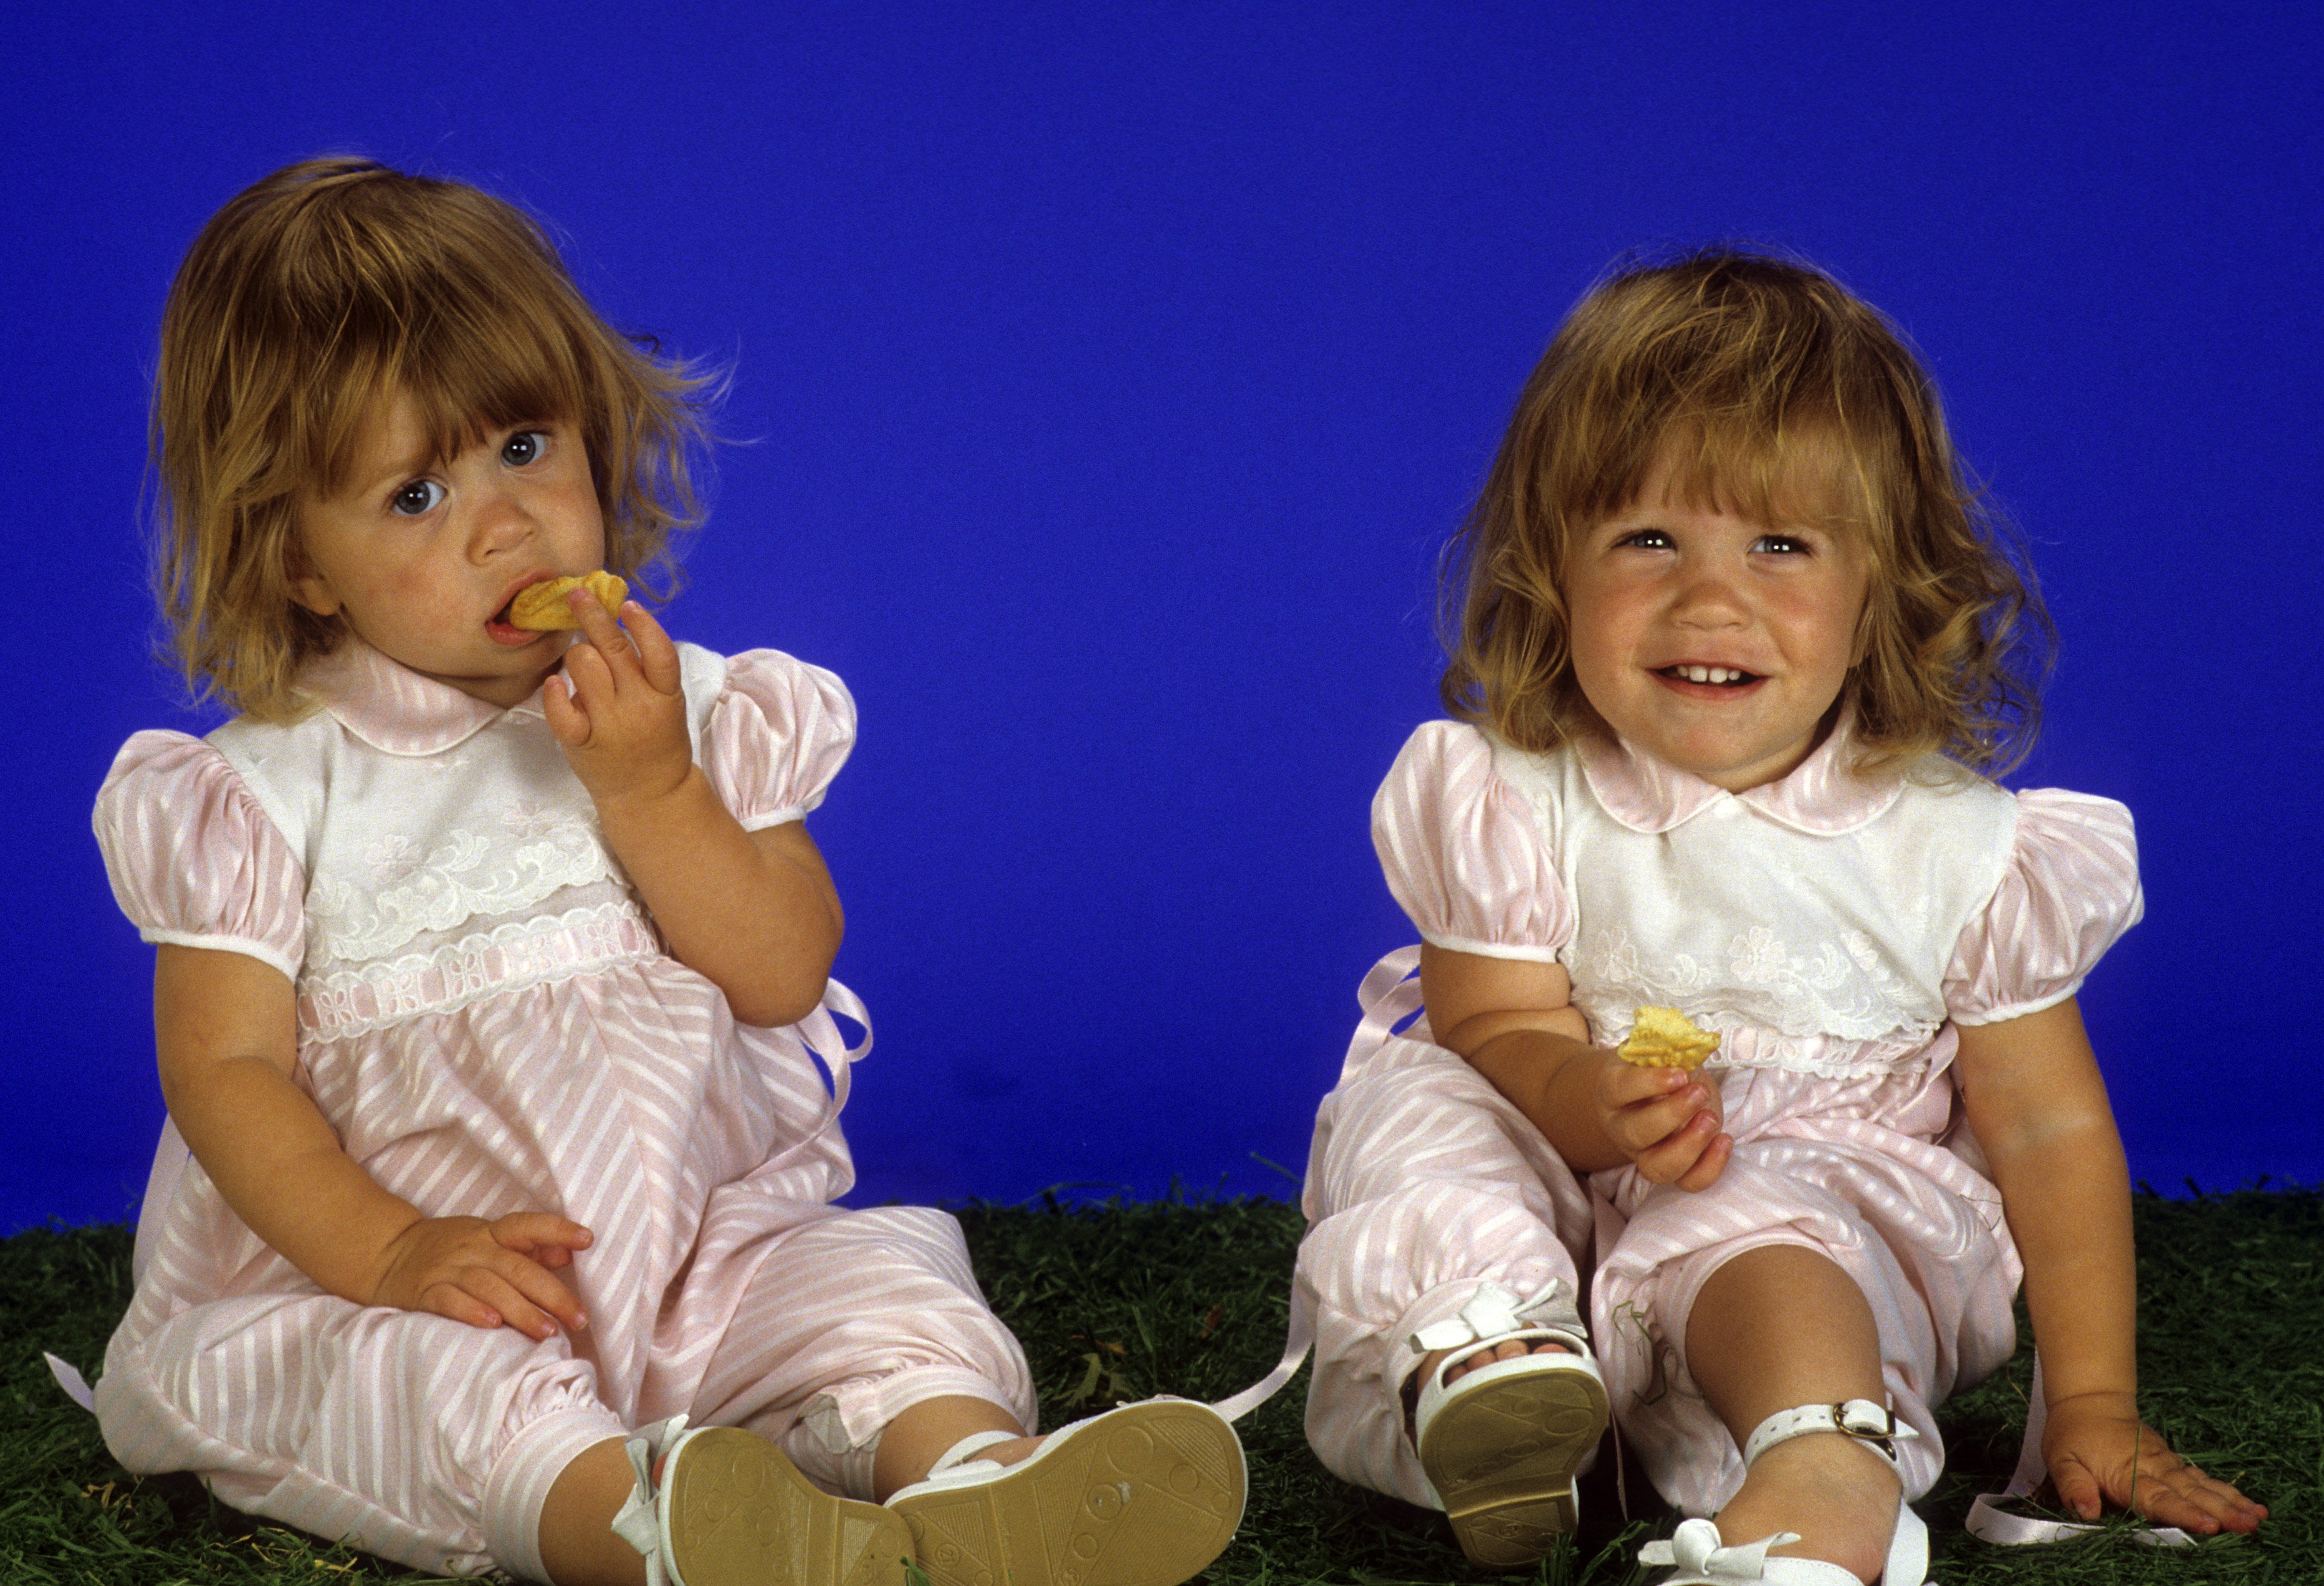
1120 1300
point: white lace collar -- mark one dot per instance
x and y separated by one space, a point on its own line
1821 796
391 707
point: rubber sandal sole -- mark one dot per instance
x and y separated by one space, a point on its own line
740 1514
1503 1460
1145 1497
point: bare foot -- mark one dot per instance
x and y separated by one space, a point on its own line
1838 1494
1482 1358
1505 1352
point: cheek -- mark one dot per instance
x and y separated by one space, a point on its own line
1601 627
1820 627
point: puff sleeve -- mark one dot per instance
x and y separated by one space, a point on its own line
777 734
194 860
2068 890
1462 852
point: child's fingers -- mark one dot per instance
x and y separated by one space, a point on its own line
568 722
2185 1496
603 634
449 1299
497 1293
2080 1493
1625 1085
529 1232
1642 1124
657 656
1709 1166
543 1289
1671 1158
591 678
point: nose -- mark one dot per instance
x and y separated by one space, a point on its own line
1711 596
500 521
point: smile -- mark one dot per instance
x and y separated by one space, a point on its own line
1725 676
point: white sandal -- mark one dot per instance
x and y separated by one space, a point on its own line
728 1509
1502 1444
1145 1495
1704 1560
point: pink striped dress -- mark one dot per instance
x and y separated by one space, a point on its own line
1833 930
487 1018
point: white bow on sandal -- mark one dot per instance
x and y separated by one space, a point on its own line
721 1507
1501 1445
1704 1559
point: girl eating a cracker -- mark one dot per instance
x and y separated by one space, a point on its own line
493 1227
1736 658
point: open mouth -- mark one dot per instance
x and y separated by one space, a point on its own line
501 630
1716 676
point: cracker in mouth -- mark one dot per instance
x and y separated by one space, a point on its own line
542 608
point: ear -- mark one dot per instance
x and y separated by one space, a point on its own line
308 587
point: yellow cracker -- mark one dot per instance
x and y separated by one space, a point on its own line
542 608
1663 1038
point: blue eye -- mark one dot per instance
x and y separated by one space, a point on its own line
1785 544
524 448
417 499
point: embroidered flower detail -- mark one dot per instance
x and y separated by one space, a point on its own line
393 859
526 820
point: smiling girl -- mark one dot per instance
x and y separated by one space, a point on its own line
1736 660
491 978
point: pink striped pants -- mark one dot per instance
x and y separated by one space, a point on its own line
434 1444
1424 1181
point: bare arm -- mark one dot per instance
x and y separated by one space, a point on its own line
1514 1020
2038 1105
223 1027
752 912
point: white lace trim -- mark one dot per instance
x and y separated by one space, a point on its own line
1838 988
471 872
528 953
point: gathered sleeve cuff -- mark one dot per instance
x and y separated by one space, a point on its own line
2070 887
779 733
1462 854
193 858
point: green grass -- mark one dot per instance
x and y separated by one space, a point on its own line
1122 1300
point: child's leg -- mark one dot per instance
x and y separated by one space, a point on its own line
1776 1328
1424 1183
417 1438
867 1389
578 1545
826 1369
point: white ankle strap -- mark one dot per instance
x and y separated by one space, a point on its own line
967 1448
639 1524
1859 1419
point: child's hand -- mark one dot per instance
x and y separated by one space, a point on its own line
1666 1119
621 718
486 1274
2099 1451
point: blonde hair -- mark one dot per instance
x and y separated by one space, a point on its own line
1768 390
305 300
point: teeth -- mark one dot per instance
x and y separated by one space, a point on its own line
1709 674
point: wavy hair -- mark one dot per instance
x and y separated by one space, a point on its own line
1768 390
307 299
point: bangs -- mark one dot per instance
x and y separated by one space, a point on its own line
1800 473
472 354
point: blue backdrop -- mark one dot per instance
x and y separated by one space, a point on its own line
1104 385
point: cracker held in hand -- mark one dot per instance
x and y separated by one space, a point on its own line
1663 1038
542 608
